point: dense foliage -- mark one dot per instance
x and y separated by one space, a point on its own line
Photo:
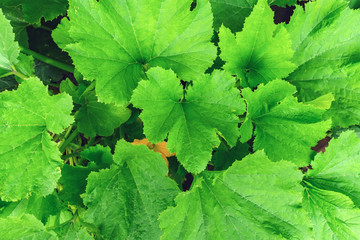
179 119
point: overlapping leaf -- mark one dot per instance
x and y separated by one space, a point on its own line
9 49
339 167
116 41
26 227
257 54
30 162
326 41
95 118
35 10
193 120
330 187
281 122
41 207
16 17
232 13
254 199
124 202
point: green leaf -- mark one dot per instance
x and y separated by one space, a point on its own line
100 157
95 118
332 187
41 207
47 73
232 13
125 201
73 181
235 204
61 34
26 227
9 49
71 232
281 122
47 9
16 17
146 33
224 156
209 109
354 4
8 83
30 162
326 56
334 215
25 65
338 168
255 55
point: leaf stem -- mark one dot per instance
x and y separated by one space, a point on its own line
20 75
64 144
75 154
47 60
7 74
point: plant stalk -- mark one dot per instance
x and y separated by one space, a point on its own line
47 60
64 144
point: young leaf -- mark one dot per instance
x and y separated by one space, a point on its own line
26 227
99 157
235 204
125 201
132 36
281 121
255 55
232 13
9 49
326 40
209 108
30 162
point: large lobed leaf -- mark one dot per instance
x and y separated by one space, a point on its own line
254 199
94 118
332 188
326 41
116 41
29 161
232 13
284 128
257 54
125 201
192 119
